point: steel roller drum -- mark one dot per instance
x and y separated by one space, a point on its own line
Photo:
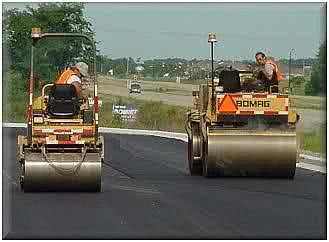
64 173
252 152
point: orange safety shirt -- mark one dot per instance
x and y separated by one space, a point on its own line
275 69
65 76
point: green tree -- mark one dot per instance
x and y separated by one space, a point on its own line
50 56
297 81
318 82
50 17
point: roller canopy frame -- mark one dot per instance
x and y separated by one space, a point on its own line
36 39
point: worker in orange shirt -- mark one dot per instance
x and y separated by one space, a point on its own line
270 74
73 75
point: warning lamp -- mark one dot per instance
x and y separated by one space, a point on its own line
212 38
36 32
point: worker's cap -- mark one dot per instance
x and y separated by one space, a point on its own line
83 68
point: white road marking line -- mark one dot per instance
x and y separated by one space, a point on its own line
14 125
312 167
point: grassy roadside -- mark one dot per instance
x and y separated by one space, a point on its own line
308 102
14 109
314 140
151 115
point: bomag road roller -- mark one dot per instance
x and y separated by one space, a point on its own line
235 130
62 150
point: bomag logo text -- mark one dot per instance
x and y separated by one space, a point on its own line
253 103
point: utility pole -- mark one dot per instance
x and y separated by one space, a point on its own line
127 66
289 86
101 60
153 69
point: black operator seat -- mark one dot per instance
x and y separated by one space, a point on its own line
230 80
63 101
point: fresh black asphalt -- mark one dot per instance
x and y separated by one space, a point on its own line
147 193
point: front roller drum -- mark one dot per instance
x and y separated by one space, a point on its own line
250 153
62 172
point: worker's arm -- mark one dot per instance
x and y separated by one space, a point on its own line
76 82
77 86
268 71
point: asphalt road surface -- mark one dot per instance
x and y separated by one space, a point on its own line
147 193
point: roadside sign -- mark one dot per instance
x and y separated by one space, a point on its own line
128 113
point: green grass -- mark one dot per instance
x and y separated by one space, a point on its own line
151 115
159 116
14 109
308 102
166 90
314 140
14 97
157 89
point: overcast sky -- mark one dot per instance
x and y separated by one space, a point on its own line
161 30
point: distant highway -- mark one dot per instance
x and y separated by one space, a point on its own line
147 193
181 95
176 95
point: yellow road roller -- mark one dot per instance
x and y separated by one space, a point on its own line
236 130
241 133
62 150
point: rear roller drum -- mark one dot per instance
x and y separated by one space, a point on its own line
208 169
